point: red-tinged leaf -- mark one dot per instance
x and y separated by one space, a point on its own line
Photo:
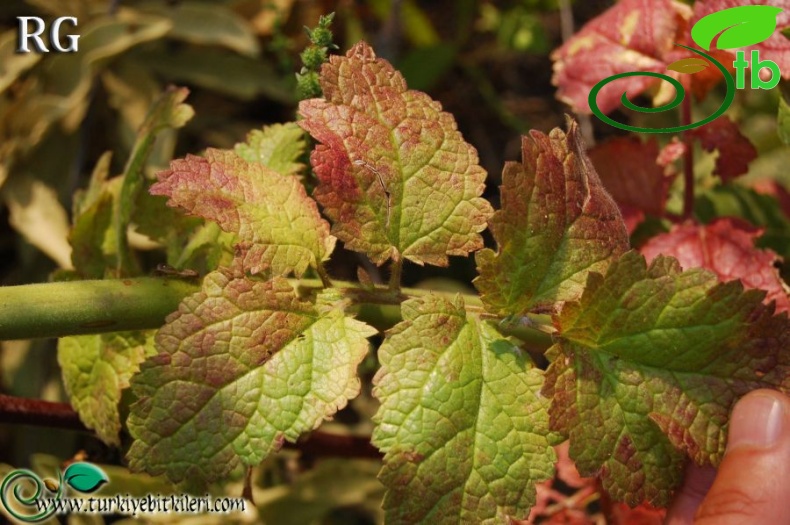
647 367
557 224
633 35
671 152
556 506
395 175
242 367
630 171
735 150
776 190
726 247
278 225
776 48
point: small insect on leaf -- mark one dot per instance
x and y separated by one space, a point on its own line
688 65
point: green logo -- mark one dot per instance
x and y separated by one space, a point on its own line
738 27
82 477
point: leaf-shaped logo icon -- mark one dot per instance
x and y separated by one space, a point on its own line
688 65
739 26
85 477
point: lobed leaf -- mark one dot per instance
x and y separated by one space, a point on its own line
557 224
278 225
462 424
726 247
96 369
735 150
243 366
648 366
277 147
395 175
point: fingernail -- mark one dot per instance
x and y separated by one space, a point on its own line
756 421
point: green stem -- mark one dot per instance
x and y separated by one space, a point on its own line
86 307
113 305
396 269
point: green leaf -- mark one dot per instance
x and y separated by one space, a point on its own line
168 112
395 175
218 70
96 369
12 63
85 477
278 147
243 366
739 26
208 24
783 121
648 366
462 425
278 225
557 224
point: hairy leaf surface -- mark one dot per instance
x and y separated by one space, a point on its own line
243 366
96 368
278 147
462 425
557 224
648 366
278 225
395 175
726 247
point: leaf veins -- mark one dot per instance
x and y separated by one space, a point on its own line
395 175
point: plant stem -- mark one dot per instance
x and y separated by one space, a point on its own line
87 307
323 275
688 161
24 411
113 305
396 269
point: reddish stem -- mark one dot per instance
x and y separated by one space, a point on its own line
35 412
688 161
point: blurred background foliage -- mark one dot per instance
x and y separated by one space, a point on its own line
487 62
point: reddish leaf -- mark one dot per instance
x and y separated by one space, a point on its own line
278 225
735 150
671 152
630 170
776 48
557 224
647 366
634 35
395 175
726 247
774 189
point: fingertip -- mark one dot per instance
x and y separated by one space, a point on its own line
747 487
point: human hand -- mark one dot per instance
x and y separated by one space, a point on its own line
753 481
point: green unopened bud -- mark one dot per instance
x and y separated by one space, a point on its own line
307 85
313 57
